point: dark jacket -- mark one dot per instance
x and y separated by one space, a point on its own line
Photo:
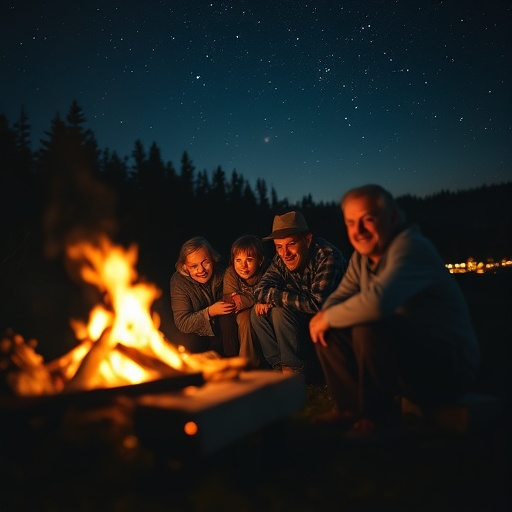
190 300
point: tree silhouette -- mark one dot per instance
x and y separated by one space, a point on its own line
139 158
262 193
186 178
77 204
22 129
155 169
160 207
114 170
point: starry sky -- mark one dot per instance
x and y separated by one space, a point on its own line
314 97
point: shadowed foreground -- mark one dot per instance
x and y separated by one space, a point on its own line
84 459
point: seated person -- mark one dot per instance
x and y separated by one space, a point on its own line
398 323
304 271
244 273
203 320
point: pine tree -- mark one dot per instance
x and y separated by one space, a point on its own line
187 177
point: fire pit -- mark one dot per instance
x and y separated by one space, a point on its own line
202 420
181 416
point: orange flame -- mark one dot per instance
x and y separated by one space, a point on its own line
126 311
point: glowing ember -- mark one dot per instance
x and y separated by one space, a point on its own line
120 344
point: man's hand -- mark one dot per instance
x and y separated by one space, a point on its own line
262 309
318 326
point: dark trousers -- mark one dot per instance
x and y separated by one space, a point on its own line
224 342
283 335
229 335
367 366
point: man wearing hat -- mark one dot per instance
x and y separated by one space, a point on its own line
305 270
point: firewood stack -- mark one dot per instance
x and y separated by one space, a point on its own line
23 372
22 369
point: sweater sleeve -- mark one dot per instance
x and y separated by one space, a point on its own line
349 284
408 267
188 319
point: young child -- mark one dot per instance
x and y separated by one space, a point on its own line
247 266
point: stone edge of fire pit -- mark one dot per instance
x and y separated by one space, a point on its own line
223 411
91 397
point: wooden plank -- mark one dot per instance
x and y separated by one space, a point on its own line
222 412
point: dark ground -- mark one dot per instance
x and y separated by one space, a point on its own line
79 460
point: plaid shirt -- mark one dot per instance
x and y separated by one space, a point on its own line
307 290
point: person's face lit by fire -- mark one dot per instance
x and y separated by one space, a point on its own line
246 264
294 250
199 265
370 225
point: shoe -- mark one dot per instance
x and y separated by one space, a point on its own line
367 431
335 418
291 369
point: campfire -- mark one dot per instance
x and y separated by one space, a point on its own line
119 345
124 367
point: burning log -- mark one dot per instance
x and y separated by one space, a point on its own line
23 371
67 364
87 375
21 368
214 367
149 362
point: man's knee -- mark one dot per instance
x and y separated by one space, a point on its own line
321 351
254 318
337 341
375 348
369 337
277 314
337 336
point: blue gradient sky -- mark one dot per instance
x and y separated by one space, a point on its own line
314 97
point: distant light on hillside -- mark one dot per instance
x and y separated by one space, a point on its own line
478 267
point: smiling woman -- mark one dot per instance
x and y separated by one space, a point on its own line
202 319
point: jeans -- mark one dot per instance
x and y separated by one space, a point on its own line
284 337
249 345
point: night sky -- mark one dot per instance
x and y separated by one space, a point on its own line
311 96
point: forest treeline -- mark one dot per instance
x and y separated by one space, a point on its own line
69 187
